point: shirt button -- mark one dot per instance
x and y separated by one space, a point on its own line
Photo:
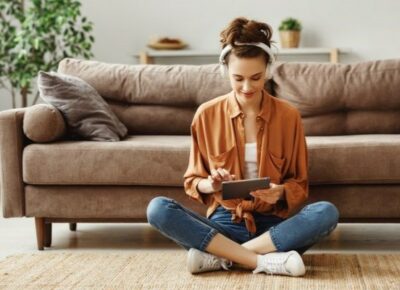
262 128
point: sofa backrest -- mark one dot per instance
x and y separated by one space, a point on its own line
334 99
151 99
341 99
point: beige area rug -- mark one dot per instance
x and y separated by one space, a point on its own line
156 269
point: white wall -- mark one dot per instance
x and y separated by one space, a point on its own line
370 28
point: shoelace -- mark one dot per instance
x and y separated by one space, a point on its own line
275 265
212 262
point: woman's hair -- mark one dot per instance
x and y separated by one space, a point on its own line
242 29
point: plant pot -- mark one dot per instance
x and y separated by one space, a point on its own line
289 38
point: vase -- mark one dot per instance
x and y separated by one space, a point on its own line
289 38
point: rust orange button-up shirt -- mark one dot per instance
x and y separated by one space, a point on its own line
218 140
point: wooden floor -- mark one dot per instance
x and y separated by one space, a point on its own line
17 235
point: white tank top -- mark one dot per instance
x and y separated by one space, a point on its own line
250 159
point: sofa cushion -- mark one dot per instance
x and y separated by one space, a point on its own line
137 160
154 119
174 85
88 116
354 159
43 123
341 99
162 161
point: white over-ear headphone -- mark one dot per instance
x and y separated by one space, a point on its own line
263 46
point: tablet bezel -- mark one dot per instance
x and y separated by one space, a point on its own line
241 188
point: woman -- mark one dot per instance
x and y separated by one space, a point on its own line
246 134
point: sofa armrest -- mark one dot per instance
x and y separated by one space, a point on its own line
12 141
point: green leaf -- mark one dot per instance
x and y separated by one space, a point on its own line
60 20
290 24
36 43
87 28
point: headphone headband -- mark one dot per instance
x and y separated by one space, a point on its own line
261 45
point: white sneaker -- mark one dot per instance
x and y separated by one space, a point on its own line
282 263
198 261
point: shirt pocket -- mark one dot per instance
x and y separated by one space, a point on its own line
277 167
223 160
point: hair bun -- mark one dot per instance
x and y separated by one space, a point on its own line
242 29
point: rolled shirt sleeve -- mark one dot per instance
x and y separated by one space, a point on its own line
196 170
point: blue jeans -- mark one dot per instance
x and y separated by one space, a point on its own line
191 230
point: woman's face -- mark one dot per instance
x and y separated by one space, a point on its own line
247 76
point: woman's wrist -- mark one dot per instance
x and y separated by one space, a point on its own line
204 186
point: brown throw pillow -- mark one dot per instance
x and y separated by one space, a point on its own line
87 114
43 123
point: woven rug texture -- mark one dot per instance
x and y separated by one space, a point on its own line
157 269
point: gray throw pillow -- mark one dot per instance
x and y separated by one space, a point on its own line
87 114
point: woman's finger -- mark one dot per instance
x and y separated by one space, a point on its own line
254 193
221 172
263 191
215 175
227 175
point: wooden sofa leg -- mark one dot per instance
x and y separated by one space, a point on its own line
72 227
40 231
47 234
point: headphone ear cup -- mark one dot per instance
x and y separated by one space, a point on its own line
223 70
269 71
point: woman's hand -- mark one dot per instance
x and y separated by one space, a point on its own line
214 181
218 176
270 195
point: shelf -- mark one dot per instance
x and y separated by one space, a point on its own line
147 56
311 50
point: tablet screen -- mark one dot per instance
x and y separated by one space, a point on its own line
242 188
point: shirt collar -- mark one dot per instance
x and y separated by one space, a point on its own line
265 112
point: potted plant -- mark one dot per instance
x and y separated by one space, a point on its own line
289 32
36 36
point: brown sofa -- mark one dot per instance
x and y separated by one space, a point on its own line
351 115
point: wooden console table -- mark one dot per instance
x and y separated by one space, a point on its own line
147 56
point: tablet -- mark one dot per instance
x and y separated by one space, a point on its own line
242 188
